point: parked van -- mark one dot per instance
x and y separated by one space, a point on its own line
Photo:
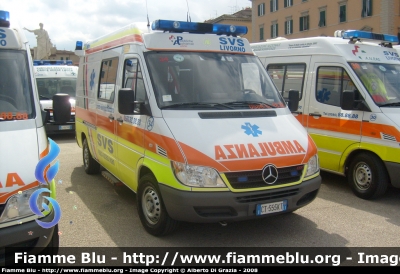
349 102
23 144
193 125
56 82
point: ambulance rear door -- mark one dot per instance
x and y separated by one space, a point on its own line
332 128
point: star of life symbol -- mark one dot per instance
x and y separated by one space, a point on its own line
251 129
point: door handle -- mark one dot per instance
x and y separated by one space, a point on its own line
120 120
297 112
111 117
317 115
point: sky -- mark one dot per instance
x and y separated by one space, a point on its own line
68 21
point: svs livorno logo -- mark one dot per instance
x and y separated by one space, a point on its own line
45 176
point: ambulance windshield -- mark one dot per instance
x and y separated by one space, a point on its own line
16 101
184 80
48 87
382 81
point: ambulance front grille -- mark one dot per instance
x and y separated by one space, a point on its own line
237 114
253 179
273 195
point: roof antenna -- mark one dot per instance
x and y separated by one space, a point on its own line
188 14
147 11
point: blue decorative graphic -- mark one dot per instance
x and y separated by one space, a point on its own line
150 123
45 179
323 95
92 76
251 129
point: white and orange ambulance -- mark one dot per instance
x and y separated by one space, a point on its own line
56 82
349 102
185 115
23 143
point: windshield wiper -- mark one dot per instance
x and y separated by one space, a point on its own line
241 103
390 104
43 97
197 104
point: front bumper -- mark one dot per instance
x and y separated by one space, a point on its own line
28 236
210 207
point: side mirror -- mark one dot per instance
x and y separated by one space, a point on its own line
293 100
126 98
348 99
127 104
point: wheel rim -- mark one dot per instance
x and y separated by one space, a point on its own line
86 156
151 205
362 176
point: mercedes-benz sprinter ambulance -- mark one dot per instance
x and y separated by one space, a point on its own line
186 116
56 82
23 143
350 102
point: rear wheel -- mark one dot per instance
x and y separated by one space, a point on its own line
90 164
151 209
367 176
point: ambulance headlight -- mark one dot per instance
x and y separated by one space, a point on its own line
312 166
197 176
17 206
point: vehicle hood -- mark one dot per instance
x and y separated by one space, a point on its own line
18 162
237 143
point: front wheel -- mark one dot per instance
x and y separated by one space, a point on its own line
151 209
367 176
90 164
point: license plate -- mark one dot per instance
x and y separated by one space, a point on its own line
65 127
262 209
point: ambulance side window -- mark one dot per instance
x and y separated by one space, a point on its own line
108 79
331 81
287 77
133 79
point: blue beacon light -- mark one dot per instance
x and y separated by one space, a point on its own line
4 19
193 27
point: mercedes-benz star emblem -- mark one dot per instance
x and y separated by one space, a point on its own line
270 174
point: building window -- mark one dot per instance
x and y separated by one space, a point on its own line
61 58
288 3
366 8
289 26
342 13
273 5
304 22
322 18
66 58
274 30
262 33
261 9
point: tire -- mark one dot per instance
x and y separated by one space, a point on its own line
54 245
151 209
367 176
61 108
89 163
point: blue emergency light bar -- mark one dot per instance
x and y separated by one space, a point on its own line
4 19
192 27
358 34
52 62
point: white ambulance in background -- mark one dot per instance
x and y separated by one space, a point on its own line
193 125
23 142
350 102
56 82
